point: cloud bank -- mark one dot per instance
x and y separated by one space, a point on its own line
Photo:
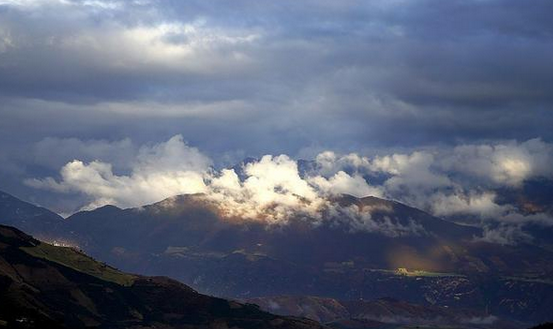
461 181
160 171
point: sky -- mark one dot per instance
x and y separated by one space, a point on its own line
443 105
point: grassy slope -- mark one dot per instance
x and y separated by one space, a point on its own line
75 260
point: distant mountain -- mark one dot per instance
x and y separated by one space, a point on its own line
33 219
187 227
406 254
43 286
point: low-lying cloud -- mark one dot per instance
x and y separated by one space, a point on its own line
446 182
159 172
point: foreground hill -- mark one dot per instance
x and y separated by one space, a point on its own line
398 252
43 286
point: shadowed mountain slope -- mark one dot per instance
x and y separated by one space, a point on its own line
42 286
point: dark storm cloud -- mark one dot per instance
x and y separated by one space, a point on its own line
253 77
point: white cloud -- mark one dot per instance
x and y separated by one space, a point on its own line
161 171
413 171
482 204
343 183
173 155
505 164
273 189
274 177
330 163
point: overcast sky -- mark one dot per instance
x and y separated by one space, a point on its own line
99 80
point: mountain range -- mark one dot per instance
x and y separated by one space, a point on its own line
407 254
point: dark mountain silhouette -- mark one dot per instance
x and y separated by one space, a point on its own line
43 286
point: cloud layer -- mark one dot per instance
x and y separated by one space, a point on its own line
363 74
277 188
